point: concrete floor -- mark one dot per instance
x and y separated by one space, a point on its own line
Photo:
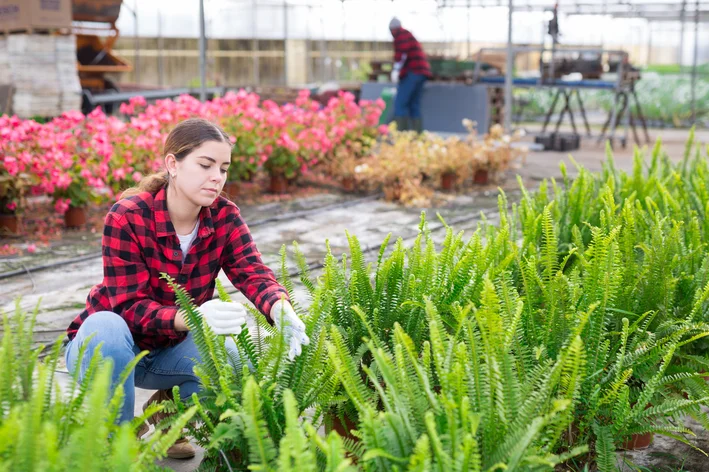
62 292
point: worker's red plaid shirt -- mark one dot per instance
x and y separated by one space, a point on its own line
139 243
416 62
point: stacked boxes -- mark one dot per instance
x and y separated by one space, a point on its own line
42 71
26 16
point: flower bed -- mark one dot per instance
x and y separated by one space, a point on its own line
76 159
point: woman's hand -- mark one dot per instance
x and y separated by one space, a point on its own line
284 317
224 317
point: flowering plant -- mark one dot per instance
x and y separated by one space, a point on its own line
242 124
396 167
353 131
283 160
14 185
283 154
17 164
496 151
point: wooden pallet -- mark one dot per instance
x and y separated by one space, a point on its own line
41 31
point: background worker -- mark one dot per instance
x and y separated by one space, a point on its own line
410 72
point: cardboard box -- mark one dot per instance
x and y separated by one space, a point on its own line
27 15
105 11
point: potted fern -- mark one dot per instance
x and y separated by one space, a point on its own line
51 428
443 403
245 402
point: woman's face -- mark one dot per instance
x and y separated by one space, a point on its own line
200 176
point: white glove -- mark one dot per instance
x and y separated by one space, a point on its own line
224 317
284 317
396 69
395 75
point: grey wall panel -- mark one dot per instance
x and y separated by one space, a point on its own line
444 106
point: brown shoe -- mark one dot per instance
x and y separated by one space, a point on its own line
142 430
157 398
182 449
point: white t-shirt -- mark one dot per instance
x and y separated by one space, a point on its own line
186 241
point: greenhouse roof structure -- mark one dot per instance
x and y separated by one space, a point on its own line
651 10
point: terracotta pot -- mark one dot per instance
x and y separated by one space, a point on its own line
448 180
279 184
9 225
638 441
75 217
482 176
231 189
333 422
348 184
393 193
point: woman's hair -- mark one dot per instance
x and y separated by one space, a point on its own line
182 140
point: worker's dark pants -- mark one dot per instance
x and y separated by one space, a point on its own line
408 96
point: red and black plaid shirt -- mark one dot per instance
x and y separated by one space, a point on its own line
416 62
139 243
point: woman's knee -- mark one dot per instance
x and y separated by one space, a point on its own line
109 330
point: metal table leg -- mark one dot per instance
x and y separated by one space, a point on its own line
567 108
583 113
641 116
547 118
611 120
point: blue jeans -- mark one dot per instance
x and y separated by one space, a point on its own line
408 96
161 369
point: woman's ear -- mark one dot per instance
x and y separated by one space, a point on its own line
171 164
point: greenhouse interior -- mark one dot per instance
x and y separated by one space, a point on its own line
354 235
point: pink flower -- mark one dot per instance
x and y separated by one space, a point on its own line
137 176
31 248
138 101
126 109
12 206
11 165
62 205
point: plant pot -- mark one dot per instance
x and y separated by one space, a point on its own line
9 225
392 193
75 217
335 423
231 189
482 176
448 180
638 441
348 184
279 184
